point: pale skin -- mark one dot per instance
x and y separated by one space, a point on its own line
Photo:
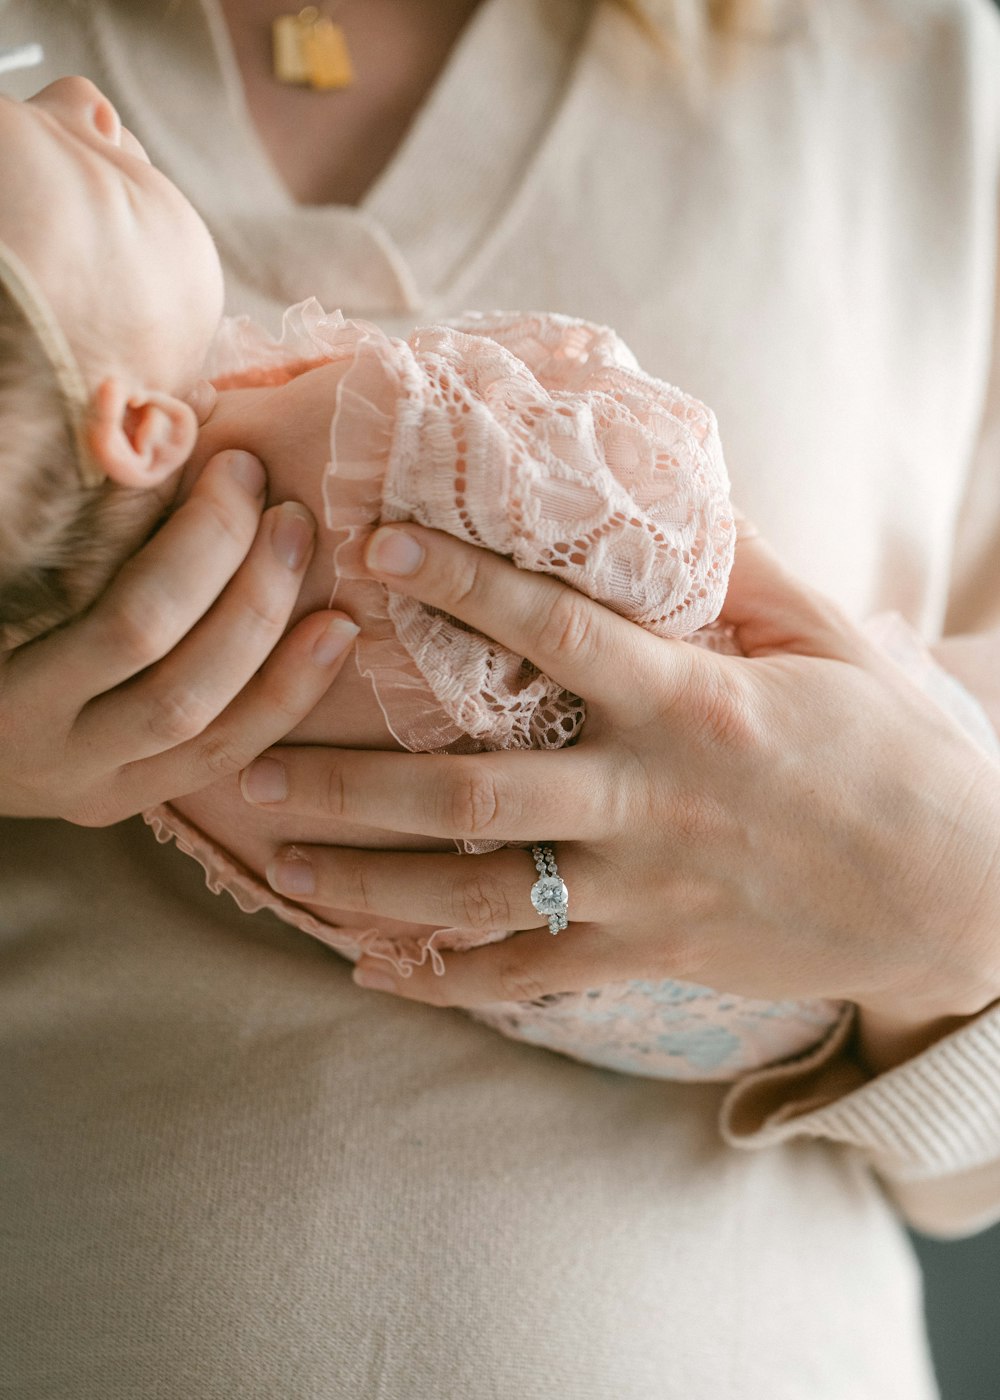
799 823
883 926
180 676
910 936
329 148
180 673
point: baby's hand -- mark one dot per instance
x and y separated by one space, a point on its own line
173 678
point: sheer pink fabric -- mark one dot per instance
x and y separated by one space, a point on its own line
537 437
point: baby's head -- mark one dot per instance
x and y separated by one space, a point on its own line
110 294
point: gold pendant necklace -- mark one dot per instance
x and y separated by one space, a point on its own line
308 48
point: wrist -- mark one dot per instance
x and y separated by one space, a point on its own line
892 1030
966 981
961 976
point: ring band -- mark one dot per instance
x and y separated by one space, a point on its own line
549 895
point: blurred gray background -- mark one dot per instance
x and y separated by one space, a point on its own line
962 1292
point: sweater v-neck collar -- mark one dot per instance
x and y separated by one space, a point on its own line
470 146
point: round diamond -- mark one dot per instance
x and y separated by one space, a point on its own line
549 895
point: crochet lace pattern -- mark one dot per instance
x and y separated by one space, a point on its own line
540 438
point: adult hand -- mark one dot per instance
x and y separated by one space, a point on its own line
173 678
796 822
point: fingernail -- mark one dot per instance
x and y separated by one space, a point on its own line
266 780
249 472
374 981
393 552
291 875
292 535
335 638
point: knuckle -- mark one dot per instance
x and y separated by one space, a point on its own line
723 711
266 612
569 627
466 582
472 802
220 757
334 792
624 793
179 714
354 886
481 903
282 693
139 628
235 523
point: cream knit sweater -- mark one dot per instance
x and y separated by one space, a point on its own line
228 1171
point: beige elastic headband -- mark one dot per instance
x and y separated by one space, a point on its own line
34 307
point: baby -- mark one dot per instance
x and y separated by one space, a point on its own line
537 437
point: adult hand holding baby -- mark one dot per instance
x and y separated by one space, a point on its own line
176 675
168 681
797 822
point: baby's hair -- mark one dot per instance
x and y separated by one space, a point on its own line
60 539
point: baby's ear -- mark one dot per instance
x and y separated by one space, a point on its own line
139 437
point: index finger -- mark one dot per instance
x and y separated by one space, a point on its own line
583 645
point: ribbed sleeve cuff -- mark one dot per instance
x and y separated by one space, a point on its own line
929 1127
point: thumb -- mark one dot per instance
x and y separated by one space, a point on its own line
771 610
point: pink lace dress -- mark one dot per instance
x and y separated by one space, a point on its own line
537 437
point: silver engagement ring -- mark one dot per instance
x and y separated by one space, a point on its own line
549 894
